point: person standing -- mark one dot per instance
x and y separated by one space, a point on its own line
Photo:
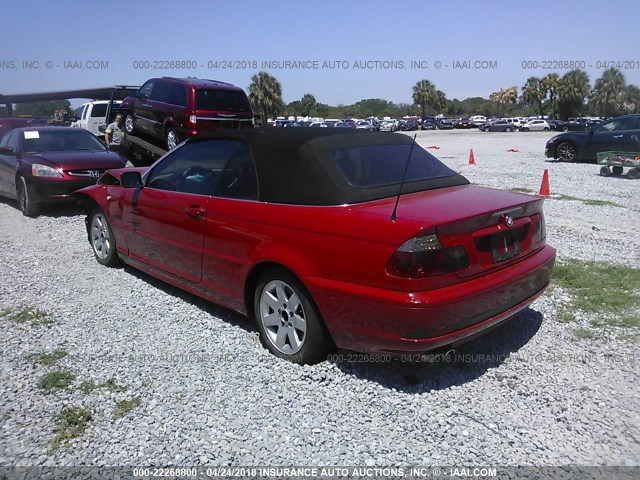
114 134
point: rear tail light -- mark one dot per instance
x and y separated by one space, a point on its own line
424 256
540 232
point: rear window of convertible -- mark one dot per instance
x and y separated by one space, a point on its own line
380 165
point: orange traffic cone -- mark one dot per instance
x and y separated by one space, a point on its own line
472 158
544 186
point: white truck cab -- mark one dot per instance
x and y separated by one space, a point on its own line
92 115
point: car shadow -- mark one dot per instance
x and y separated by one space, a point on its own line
446 367
55 210
230 316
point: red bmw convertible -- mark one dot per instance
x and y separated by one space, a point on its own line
327 238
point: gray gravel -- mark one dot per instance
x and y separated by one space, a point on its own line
529 393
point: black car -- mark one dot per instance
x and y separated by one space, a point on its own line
619 134
409 125
497 126
445 123
428 123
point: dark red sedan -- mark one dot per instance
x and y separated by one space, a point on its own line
327 237
42 165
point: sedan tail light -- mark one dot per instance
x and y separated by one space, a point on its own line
424 256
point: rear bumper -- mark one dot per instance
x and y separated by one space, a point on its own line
374 320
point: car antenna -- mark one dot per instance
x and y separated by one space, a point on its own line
404 174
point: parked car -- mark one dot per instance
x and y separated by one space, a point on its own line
409 125
93 115
42 165
318 125
428 123
478 120
536 125
173 109
450 261
364 125
463 122
620 133
497 126
388 126
341 125
350 123
10 123
445 123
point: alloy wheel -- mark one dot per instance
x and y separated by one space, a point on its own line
283 317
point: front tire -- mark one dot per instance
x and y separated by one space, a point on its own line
567 152
289 323
102 239
26 203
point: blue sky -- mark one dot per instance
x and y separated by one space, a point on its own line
505 32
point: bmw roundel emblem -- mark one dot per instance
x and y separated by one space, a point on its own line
508 220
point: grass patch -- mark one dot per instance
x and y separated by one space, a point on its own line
599 286
125 406
89 386
521 190
113 386
56 380
587 201
71 423
48 358
30 315
584 333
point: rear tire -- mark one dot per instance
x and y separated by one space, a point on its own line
128 124
605 171
102 240
289 323
26 204
634 173
171 138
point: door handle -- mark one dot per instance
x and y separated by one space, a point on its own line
618 136
146 105
195 211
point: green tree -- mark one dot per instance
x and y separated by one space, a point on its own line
534 92
42 110
307 103
265 95
550 83
573 88
424 95
632 99
607 96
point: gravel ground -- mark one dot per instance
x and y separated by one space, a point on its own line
529 393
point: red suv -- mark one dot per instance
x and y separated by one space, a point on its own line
174 109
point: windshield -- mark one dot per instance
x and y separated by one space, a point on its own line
225 100
37 141
375 166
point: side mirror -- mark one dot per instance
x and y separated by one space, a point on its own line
131 180
142 97
6 151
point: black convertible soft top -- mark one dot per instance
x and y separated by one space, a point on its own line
295 165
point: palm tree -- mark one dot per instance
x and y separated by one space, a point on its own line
550 83
307 103
632 99
265 95
424 94
607 96
504 96
573 87
534 92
